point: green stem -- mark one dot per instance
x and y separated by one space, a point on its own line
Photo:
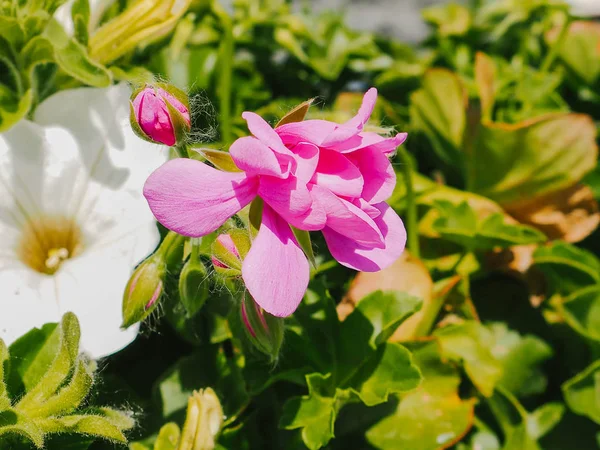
171 248
411 210
553 53
181 150
195 256
225 73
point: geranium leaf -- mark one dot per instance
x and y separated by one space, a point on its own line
581 392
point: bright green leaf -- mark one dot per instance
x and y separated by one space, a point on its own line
581 311
470 343
567 267
582 392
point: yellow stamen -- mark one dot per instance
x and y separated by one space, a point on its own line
48 241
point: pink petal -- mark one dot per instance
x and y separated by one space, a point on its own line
275 271
265 133
307 158
371 210
336 173
287 197
347 219
255 158
313 131
194 199
354 125
377 171
365 258
313 219
368 139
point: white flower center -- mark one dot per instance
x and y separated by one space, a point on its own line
48 241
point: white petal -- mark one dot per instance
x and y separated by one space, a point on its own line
111 205
27 300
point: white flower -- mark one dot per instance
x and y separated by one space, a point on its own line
73 220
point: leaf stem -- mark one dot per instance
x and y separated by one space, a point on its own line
553 53
411 210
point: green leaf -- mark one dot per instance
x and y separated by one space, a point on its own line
508 166
470 343
371 323
438 110
303 238
389 371
460 224
581 311
62 364
582 392
521 358
4 399
80 13
30 356
207 367
220 159
70 396
168 437
12 423
88 424
73 59
450 20
567 268
12 111
315 413
579 50
543 419
431 417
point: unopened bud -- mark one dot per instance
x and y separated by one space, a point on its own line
160 113
228 252
264 330
203 421
194 286
144 290
145 287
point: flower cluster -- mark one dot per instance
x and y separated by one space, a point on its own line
311 175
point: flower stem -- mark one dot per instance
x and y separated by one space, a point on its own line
553 53
411 210
181 150
171 248
226 72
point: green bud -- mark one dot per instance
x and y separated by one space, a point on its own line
194 286
203 421
144 290
228 251
264 330
145 287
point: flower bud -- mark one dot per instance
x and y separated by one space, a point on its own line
228 252
144 290
194 286
160 114
264 330
145 287
203 421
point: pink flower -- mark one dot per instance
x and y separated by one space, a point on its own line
151 112
314 175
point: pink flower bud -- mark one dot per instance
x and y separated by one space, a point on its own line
263 330
228 251
160 116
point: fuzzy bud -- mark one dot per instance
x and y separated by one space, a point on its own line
194 286
203 421
228 251
263 330
143 290
160 114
